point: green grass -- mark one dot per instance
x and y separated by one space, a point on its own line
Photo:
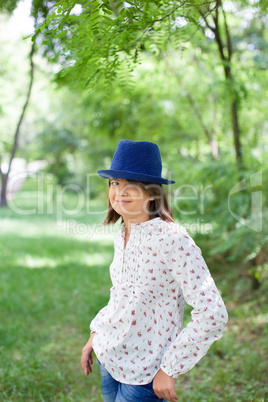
52 283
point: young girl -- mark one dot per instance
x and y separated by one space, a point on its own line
138 337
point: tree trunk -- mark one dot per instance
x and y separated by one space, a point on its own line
236 130
209 133
225 51
4 176
214 145
3 195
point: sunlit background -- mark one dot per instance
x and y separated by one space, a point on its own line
194 81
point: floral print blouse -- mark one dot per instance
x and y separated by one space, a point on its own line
140 330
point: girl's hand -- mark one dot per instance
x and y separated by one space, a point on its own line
164 386
86 357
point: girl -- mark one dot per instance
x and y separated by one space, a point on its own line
138 337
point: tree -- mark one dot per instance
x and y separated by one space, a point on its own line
5 175
39 7
100 37
103 38
223 34
8 7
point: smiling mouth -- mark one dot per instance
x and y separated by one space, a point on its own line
123 202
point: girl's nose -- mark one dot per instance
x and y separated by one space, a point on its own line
122 189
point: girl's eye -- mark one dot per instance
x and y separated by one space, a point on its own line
113 182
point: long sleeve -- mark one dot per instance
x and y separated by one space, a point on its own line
96 322
208 317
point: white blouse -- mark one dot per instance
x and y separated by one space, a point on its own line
140 330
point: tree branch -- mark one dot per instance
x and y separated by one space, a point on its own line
190 99
132 45
182 4
206 22
15 144
218 35
198 115
229 43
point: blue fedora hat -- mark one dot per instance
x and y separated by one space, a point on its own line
136 160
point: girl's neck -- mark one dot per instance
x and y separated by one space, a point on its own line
129 220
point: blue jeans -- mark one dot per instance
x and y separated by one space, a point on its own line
114 391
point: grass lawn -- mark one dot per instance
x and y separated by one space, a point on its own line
53 280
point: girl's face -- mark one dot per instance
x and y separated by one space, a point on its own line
129 200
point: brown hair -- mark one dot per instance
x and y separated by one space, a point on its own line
159 207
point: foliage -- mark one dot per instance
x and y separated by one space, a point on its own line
232 227
8 5
95 39
162 100
103 37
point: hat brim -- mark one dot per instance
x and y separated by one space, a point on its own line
119 174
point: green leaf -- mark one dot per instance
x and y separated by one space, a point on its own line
43 26
108 20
